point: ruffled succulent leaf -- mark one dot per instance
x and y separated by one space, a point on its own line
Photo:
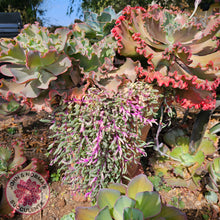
39 166
148 203
97 26
34 37
36 58
170 213
107 197
118 186
132 213
18 159
86 213
104 214
122 203
138 184
115 78
13 54
178 51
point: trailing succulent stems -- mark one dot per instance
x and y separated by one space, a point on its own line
84 131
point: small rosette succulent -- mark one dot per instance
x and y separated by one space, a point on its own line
174 50
136 201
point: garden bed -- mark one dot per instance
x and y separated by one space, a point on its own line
62 201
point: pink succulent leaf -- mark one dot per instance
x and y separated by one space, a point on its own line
197 98
18 159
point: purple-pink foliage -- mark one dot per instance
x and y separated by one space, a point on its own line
100 135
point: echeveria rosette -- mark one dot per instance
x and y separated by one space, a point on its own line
36 61
174 51
137 201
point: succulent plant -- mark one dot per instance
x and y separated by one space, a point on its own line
7 164
135 201
180 166
12 107
96 138
12 161
36 63
96 26
175 50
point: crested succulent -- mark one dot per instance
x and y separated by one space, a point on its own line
175 50
137 200
12 161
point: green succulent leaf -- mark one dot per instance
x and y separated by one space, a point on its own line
118 186
170 213
170 138
122 203
5 153
207 146
86 213
13 106
132 213
104 214
211 197
148 203
199 128
215 129
107 197
188 159
138 184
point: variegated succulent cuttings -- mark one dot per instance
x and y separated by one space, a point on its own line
174 50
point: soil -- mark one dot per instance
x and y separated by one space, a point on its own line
35 135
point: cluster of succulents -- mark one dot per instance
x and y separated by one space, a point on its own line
175 50
137 200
